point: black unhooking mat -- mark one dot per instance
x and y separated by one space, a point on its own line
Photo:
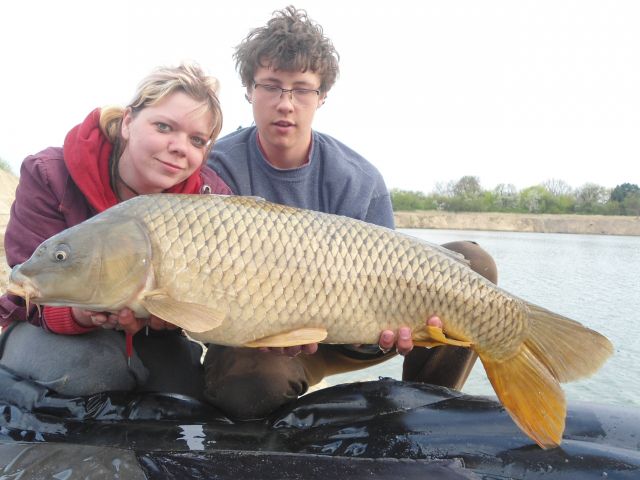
382 429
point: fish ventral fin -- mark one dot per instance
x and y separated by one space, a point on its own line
192 317
301 336
434 336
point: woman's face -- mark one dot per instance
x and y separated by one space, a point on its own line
165 143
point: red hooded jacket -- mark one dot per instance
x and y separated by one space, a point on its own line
59 188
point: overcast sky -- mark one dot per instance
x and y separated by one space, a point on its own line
510 91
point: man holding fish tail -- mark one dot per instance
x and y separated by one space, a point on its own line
288 67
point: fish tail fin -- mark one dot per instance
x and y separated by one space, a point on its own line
557 349
531 395
568 349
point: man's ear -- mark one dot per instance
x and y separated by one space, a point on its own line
248 94
322 99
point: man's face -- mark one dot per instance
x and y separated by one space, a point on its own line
284 120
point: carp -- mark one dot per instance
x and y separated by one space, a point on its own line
242 271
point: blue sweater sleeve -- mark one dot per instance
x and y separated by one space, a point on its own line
380 211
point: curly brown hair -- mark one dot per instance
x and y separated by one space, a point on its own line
291 42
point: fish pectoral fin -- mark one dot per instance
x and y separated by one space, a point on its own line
301 336
192 317
434 336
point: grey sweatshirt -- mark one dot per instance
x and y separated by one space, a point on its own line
335 180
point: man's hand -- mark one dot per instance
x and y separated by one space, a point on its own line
403 343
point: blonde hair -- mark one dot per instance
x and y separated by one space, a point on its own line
188 78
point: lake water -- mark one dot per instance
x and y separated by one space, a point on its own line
594 279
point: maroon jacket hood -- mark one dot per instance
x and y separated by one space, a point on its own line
86 154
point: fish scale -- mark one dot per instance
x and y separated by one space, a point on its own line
378 294
242 271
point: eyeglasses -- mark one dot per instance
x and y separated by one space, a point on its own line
301 96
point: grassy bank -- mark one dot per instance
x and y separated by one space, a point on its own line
515 222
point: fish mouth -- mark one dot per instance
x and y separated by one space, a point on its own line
22 287
16 289
24 291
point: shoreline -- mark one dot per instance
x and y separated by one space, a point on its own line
520 222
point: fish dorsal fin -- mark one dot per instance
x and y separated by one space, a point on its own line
457 256
301 336
255 197
242 199
193 317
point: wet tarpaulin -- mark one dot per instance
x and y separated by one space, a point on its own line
48 460
381 429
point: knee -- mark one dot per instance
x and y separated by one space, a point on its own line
251 384
70 365
479 260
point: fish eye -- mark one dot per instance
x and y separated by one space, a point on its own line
61 253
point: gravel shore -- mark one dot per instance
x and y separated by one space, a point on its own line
516 222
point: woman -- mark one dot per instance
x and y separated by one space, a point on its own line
158 143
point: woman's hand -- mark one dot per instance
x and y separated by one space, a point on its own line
89 318
122 320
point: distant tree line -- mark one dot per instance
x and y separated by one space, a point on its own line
552 196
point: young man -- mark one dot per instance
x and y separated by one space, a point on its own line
287 67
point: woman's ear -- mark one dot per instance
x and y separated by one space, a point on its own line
127 118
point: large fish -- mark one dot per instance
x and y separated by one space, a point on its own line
243 271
